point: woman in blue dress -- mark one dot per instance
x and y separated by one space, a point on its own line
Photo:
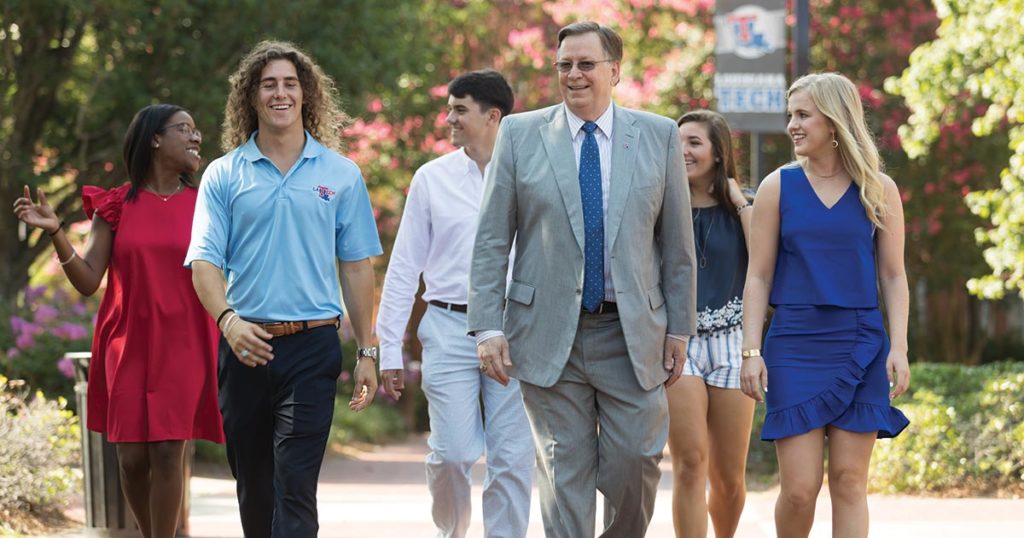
821 227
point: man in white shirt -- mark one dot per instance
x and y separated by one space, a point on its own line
435 239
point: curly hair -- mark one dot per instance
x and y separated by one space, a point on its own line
322 115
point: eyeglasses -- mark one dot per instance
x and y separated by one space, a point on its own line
582 65
183 128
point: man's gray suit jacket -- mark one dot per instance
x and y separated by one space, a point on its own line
532 198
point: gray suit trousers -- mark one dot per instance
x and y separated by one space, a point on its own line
596 428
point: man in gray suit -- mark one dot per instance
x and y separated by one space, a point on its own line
595 320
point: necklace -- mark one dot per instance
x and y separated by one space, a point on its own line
166 197
827 176
702 251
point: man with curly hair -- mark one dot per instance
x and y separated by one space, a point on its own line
273 216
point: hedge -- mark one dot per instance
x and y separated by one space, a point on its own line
966 434
39 444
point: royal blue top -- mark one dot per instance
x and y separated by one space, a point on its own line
276 236
826 256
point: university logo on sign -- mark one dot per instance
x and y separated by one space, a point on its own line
753 32
750 56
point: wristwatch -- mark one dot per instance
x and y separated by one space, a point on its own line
749 353
367 353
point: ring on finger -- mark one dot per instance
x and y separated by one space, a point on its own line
483 367
244 353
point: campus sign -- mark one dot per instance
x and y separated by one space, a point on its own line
750 58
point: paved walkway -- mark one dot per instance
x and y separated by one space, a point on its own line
382 494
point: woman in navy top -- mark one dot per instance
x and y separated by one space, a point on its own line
709 418
820 228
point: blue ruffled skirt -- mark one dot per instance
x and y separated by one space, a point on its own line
826 366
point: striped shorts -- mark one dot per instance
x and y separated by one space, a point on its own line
715 358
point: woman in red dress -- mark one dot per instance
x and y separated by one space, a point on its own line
153 370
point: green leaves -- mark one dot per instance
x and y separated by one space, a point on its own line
977 58
965 432
74 72
39 443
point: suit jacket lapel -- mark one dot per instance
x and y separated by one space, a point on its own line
625 138
558 144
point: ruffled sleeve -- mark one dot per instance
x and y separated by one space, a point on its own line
106 203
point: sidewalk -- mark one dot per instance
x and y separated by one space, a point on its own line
382 494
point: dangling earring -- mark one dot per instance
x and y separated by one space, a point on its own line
835 143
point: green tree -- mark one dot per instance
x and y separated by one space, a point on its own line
666 69
73 72
975 69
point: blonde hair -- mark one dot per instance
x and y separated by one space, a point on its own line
838 99
322 115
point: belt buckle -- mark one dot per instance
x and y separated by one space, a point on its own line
600 308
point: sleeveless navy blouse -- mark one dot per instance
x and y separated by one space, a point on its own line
825 256
721 269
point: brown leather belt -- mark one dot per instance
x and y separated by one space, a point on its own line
606 307
288 328
449 306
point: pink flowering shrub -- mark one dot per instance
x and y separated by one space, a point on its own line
36 331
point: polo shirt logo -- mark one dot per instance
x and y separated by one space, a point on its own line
324 193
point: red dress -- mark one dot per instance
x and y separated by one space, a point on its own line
153 374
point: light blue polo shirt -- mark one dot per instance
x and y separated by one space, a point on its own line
276 237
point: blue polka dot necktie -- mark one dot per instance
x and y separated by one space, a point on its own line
593 220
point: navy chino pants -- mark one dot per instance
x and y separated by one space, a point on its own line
276 421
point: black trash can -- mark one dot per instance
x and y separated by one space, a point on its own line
106 509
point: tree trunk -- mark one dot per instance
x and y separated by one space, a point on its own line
15 255
948 326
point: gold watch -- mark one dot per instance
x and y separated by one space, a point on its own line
748 353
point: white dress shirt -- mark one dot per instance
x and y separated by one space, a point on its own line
435 239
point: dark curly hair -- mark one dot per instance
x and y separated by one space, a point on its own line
322 115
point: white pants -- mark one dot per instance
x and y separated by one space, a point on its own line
459 433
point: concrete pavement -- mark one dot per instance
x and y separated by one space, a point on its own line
382 494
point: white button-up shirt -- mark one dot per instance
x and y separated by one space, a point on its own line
435 239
